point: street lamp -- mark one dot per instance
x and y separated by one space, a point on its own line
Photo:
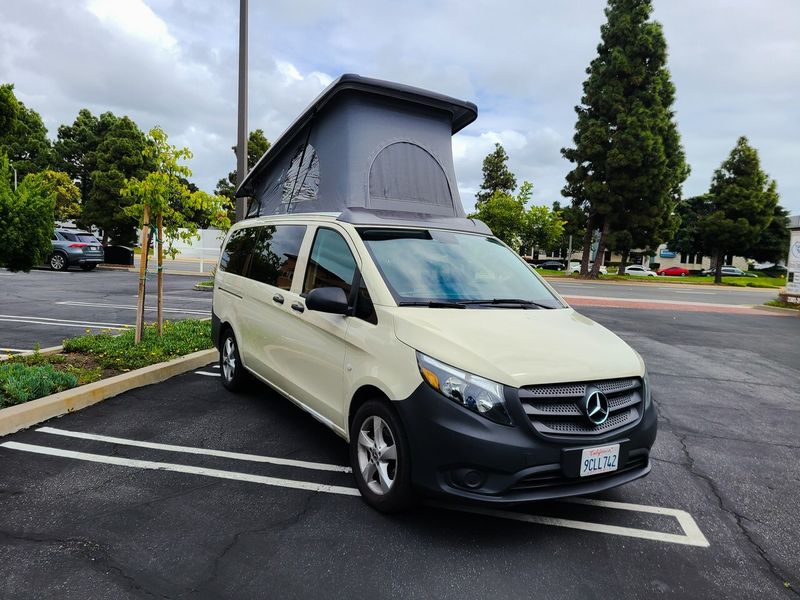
241 145
15 178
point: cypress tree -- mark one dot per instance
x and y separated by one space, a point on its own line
496 176
629 163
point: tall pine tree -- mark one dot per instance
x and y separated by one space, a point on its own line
496 176
629 163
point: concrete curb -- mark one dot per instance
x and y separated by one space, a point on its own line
777 309
50 350
30 413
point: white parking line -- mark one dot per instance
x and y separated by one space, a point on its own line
161 466
692 536
54 323
207 373
192 450
64 320
187 311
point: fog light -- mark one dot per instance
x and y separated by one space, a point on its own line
473 479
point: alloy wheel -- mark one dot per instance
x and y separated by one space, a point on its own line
377 455
57 262
228 359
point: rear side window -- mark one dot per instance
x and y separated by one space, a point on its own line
70 237
331 263
275 254
87 238
235 258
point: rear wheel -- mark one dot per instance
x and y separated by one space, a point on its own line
380 458
88 267
58 262
230 365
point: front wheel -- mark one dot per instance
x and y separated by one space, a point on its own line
380 458
230 365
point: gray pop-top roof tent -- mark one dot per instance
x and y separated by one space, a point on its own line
369 149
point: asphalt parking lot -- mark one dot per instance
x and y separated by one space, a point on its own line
44 307
182 489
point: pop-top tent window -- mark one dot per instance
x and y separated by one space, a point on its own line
405 173
302 179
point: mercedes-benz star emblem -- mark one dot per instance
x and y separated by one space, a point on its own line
595 406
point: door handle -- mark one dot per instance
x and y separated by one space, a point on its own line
277 298
298 307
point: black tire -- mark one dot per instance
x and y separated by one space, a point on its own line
58 262
399 495
88 267
231 370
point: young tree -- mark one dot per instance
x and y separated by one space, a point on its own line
504 215
163 197
541 228
496 176
66 193
23 136
257 145
742 204
629 164
26 221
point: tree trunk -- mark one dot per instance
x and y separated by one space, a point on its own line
718 258
624 261
142 275
587 246
601 250
160 276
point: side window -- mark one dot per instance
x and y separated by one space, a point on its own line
331 263
235 258
275 254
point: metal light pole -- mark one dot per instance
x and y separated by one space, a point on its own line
241 144
15 178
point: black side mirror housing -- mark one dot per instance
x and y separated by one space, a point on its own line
328 300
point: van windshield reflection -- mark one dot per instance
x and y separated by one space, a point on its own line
443 269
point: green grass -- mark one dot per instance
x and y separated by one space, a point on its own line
209 283
754 282
119 351
781 304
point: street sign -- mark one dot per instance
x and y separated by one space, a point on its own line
793 265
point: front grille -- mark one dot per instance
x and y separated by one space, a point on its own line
558 479
554 409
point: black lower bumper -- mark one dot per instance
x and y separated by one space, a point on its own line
455 452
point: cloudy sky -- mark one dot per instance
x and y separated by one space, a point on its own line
735 63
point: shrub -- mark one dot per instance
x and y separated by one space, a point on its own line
20 383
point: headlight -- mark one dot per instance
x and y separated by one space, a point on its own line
475 393
646 384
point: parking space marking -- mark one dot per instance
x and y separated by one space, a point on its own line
162 466
188 311
64 323
192 450
65 320
692 534
207 373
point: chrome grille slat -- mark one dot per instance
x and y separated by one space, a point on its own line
554 409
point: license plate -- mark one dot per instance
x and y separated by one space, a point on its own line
602 459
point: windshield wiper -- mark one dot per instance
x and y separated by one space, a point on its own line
434 304
509 301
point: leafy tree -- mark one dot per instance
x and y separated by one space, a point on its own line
688 237
629 164
162 197
257 145
504 214
26 221
742 204
574 225
23 136
121 155
773 242
66 193
76 145
541 228
496 176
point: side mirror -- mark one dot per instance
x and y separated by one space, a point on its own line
328 300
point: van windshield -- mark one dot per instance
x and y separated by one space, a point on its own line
433 266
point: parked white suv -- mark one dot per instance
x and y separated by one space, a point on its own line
448 365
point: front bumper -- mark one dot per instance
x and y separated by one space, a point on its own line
455 452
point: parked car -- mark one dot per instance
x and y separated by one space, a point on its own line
639 271
73 247
729 272
673 271
553 265
576 268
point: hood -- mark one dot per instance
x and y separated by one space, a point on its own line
518 347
